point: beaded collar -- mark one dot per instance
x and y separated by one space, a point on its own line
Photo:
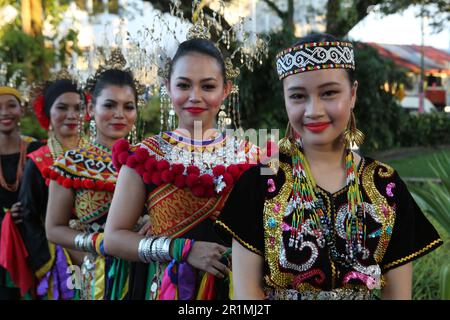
159 160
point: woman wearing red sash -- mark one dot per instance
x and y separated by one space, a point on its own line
58 107
83 180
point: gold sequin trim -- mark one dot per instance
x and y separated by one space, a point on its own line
385 212
385 171
272 249
245 244
415 254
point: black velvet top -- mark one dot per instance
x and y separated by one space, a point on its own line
396 232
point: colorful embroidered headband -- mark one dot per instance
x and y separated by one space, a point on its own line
315 56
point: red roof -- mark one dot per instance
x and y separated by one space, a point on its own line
408 56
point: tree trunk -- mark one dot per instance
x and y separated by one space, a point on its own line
32 17
333 25
26 16
36 17
289 22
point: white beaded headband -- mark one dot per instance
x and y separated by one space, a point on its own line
315 56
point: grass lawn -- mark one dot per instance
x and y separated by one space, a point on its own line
416 165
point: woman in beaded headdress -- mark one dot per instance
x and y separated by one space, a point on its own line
15 278
59 107
180 184
329 223
83 180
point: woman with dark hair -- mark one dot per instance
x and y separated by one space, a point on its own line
179 180
328 223
83 182
58 105
13 151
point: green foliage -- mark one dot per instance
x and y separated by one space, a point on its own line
434 200
29 126
416 165
261 93
33 54
377 112
427 129
24 52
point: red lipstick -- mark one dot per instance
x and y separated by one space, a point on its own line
317 127
194 110
71 126
118 126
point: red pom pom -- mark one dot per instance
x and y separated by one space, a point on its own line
67 183
109 186
206 180
140 169
233 169
150 164
132 162
76 183
54 175
210 192
228 179
218 170
192 180
120 146
178 168
167 176
88 184
123 156
60 180
142 155
180 181
198 191
163 165
193 170
38 106
46 172
156 178
147 177
99 185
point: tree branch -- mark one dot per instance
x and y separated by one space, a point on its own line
275 8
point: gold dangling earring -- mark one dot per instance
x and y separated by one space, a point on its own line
285 144
352 136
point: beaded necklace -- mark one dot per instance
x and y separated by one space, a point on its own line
307 213
20 166
56 149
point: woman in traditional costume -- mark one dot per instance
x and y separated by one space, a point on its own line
83 180
16 279
180 180
328 223
59 107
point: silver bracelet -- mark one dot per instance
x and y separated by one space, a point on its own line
166 249
144 249
78 241
83 242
